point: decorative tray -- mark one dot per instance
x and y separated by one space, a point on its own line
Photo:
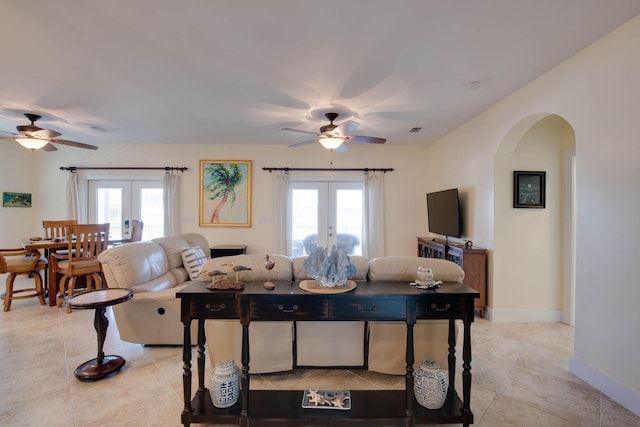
327 399
314 287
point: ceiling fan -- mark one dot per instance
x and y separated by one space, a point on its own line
333 136
34 137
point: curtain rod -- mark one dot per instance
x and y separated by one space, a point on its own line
384 170
165 168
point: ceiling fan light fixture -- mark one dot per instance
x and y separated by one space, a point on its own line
330 142
32 143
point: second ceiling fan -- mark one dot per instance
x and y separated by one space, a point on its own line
333 136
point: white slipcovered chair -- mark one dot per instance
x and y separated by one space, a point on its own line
271 348
388 340
331 343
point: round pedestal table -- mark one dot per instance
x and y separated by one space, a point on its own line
99 300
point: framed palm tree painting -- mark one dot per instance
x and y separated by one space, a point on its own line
225 193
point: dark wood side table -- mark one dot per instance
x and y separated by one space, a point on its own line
99 300
227 250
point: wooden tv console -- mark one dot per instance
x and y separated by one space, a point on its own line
388 301
472 260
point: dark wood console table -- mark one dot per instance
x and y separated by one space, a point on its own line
370 301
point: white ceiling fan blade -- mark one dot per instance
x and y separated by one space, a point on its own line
45 133
299 144
366 139
348 127
74 144
298 130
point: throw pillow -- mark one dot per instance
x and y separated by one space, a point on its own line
192 259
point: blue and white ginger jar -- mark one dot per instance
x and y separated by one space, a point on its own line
430 385
225 384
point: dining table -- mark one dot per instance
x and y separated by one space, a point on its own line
49 246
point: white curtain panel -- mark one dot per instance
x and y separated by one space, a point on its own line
280 208
73 197
373 216
171 199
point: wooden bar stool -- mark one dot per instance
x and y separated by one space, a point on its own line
17 262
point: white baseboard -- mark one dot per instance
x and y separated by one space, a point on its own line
548 316
620 393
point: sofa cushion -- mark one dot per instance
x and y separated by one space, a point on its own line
126 266
198 240
404 268
173 247
164 282
192 259
361 263
282 271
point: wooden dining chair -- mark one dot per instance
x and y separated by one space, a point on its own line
57 229
85 243
18 262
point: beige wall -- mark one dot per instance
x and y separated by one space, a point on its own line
405 207
596 92
18 174
528 243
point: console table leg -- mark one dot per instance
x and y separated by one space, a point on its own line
452 356
466 367
201 358
244 374
409 375
186 369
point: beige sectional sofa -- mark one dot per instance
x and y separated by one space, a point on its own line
155 271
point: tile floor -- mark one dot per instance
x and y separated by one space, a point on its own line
520 376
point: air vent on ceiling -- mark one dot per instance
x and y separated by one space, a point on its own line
415 129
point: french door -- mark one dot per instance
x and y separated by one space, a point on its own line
118 202
325 214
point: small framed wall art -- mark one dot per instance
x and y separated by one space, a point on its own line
225 193
16 200
529 189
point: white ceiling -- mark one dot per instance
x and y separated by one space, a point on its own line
213 71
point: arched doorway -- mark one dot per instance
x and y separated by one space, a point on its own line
533 248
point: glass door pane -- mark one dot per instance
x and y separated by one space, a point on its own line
109 209
348 218
304 221
149 204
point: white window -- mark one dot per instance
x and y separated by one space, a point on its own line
118 202
325 214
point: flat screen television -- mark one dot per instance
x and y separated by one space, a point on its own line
443 211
